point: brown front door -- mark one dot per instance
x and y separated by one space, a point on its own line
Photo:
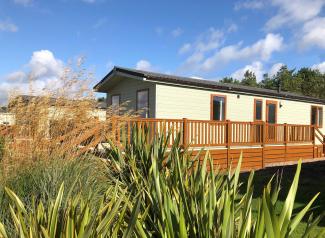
271 119
271 112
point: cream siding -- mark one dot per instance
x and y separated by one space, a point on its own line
127 89
183 102
7 118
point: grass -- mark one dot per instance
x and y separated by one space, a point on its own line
43 179
311 182
61 121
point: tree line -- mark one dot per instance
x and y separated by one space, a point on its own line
306 81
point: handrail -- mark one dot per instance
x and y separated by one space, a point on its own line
198 133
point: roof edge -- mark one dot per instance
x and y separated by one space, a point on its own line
214 85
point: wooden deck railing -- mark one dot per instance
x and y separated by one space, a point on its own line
260 144
198 133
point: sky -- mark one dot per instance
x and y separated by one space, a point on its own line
206 39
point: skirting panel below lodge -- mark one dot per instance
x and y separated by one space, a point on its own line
256 158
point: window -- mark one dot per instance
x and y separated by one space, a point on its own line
258 105
317 116
115 103
143 103
218 108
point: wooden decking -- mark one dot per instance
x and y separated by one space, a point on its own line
261 144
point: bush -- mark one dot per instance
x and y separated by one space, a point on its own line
156 191
41 182
180 197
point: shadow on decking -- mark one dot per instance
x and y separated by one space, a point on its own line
312 181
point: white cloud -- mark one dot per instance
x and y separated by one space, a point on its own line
206 53
23 2
294 11
274 69
43 64
253 4
313 33
320 67
177 32
256 67
232 28
209 40
196 77
185 48
159 30
100 22
109 65
8 26
303 17
143 65
89 1
18 76
260 50
43 71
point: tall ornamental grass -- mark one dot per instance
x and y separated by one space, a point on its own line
156 191
57 121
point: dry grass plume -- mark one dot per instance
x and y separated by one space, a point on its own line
61 122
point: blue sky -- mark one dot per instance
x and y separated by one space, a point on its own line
209 39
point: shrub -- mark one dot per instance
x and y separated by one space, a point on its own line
181 198
40 183
156 191
74 218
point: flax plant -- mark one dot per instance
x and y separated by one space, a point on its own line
182 198
75 218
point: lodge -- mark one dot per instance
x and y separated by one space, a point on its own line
268 126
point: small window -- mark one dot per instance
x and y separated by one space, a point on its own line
317 116
272 113
218 110
320 117
115 103
258 105
143 103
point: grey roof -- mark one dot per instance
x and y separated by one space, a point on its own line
209 84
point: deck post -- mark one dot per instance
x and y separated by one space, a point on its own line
185 132
285 141
314 135
323 151
228 127
251 134
263 142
